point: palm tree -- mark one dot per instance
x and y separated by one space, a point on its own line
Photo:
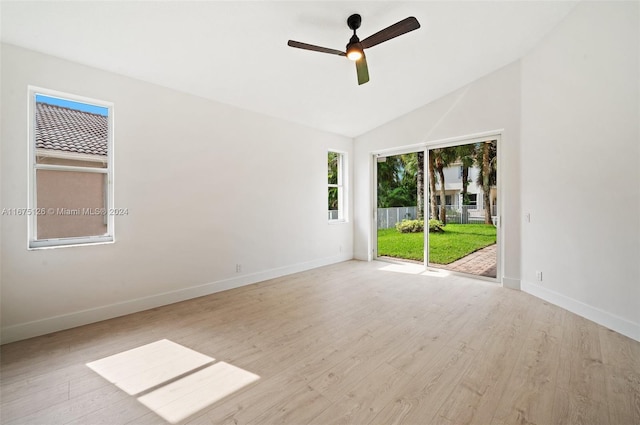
432 186
467 156
488 174
420 185
442 157
414 169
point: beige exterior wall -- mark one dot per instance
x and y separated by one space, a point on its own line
74 203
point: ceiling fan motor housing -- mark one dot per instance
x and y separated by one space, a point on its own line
354 42
354 21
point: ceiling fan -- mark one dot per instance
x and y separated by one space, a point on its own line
355 47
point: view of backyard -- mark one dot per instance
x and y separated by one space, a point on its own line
457 241
461 182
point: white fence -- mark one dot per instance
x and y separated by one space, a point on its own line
463 214
388 217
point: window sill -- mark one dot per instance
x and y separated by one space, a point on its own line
42 245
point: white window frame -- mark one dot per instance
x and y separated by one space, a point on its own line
341 186
32 207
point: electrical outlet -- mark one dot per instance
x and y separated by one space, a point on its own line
538 275
527 217
238 268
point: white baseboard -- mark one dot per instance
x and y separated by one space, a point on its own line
601 317
511 283
361 256
71 320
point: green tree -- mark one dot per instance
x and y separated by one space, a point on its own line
466 154
420 184
332 167
442 157
389 171
397 186
432 186
414 175
488 175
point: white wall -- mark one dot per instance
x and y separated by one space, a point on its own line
490 103
580 91
207 186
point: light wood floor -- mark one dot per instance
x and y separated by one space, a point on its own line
349 343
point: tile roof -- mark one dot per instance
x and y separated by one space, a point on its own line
70 130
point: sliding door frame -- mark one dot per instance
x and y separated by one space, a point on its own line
426 147
465 140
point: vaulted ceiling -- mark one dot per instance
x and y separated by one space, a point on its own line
236 52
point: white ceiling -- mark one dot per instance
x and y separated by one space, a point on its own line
236 52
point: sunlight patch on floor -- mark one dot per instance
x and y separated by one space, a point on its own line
436 272
410 268
172 380
143 368
186 396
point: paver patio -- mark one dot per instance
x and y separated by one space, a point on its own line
482 262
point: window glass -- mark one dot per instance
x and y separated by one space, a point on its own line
335 170
473 201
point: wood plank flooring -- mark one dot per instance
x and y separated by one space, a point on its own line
351 343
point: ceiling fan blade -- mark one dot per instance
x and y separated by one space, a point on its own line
306 46
362 70
399 28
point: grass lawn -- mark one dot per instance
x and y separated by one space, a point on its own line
457 241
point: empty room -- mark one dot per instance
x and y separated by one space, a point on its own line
320 212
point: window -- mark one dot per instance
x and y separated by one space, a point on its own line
335 166
447 200
473 200
71 191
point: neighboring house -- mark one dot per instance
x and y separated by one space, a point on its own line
74 199
453 192
456 213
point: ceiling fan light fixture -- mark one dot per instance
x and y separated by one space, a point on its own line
354 51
